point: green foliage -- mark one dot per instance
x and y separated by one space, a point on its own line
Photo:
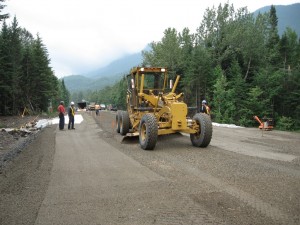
220 96
255 105
166 53
26 78
285 123
236 61
64 94
3 16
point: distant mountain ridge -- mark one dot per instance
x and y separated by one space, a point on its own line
104 76
119 66
288 16
76 83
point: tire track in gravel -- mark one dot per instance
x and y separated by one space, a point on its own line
175 206
256 203
191 213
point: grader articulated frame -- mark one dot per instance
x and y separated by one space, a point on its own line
151 111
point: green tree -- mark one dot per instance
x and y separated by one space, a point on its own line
186 40
5 70
44 83
237 95
5 15
16 58
199 77
288 49
255 105
212 30
26 77
273 38
288 99
11 56
165 53
64 94
220 95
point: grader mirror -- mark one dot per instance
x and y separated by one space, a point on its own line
152 111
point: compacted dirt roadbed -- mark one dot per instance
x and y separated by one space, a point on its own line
243 177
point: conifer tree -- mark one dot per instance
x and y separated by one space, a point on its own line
273 38
16 58
6 71
5 15
220 95
43 81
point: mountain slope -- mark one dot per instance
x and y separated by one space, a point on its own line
105 76
76 83
119 66
288 16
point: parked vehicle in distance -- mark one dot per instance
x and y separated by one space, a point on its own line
91 106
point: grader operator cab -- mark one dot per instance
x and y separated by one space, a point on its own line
151 111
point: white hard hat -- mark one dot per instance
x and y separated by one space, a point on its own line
204 102
72 103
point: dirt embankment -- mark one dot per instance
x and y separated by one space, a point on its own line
14 141
24 180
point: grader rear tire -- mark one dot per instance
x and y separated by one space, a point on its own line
203 137
148 132
118 120
124 123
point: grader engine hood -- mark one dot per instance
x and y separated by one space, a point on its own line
179 112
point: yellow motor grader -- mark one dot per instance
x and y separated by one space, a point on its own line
151 111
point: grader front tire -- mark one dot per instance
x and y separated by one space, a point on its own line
148 132
203 137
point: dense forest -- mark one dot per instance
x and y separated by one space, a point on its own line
26 78
236 61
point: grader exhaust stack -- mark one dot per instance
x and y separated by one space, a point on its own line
152 111
176 83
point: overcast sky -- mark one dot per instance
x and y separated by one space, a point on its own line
82 36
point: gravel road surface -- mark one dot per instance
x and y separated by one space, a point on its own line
92 175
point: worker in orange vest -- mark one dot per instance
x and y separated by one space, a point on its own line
205 108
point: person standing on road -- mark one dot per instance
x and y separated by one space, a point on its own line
205 108
71 114
61 114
